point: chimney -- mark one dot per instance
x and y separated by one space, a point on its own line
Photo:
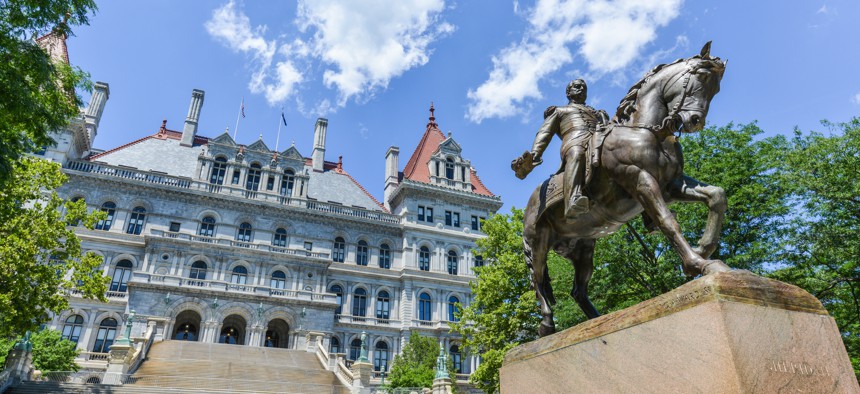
392 172
93 114
190 129
318 157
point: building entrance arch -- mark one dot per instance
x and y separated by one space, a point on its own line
277 334
233 330
187 326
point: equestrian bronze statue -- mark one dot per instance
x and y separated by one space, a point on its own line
613 171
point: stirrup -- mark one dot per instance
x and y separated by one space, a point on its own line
578 205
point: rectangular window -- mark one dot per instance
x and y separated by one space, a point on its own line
174 227
475 223
236 175
270 182
429 215
456 219
448 221
309 245
420 213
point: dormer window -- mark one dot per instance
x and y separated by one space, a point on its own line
449 168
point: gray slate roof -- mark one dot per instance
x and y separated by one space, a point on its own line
167 156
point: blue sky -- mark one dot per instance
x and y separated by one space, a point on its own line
490 67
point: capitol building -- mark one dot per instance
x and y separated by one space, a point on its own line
209 240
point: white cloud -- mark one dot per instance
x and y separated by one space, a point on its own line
233 29
856 99
607 34
369 43
357 46
822 10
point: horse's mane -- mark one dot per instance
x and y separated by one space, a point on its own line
628 104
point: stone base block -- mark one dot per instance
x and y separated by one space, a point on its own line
732 332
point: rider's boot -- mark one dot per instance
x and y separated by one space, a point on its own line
575 203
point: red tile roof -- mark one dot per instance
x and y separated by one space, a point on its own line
417 168
55 45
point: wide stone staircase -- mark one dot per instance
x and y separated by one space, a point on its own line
181 366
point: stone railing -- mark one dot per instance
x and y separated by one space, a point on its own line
240 244
143 349
375 321
94 356
178 281
190 184
111 295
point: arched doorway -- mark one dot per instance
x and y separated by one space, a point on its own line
277 334
187 326
233 330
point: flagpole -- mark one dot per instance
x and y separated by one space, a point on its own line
279 131
238 116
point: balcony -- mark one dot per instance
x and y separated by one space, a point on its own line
195 185
373 321
236 288
112 296
240 244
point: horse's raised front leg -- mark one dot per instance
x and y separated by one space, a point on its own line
535 249
649 195
690 190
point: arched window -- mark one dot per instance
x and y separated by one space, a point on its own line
121 275
338 291
207 227
424 307
380 356
334 346
198 270
384 256
110 209
219 168
135 222
361 253
240 275
280 239
355 349
383 305
479 261
452 308
105 336
244 233
456 358
449 168
452 262
253 180
72 328
424 259
359 302
279 280
339 250
288 180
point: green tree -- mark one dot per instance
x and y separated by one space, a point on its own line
630 266
40 256
37 94
415 366
50 351
824 172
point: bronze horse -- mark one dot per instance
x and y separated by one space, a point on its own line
639 167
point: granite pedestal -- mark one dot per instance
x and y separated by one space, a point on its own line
732 332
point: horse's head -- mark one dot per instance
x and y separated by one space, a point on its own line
674 96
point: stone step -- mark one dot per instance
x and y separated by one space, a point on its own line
78 388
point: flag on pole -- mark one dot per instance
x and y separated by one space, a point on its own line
243 107
283 117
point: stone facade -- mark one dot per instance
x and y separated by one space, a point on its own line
222 242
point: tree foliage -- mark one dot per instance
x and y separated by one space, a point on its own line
40 256
37 94
415 366
630 266
50 351
824 258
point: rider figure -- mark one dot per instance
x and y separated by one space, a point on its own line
574 124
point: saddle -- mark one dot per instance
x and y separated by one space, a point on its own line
552 189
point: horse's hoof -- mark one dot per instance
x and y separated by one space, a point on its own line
544 330
715 266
